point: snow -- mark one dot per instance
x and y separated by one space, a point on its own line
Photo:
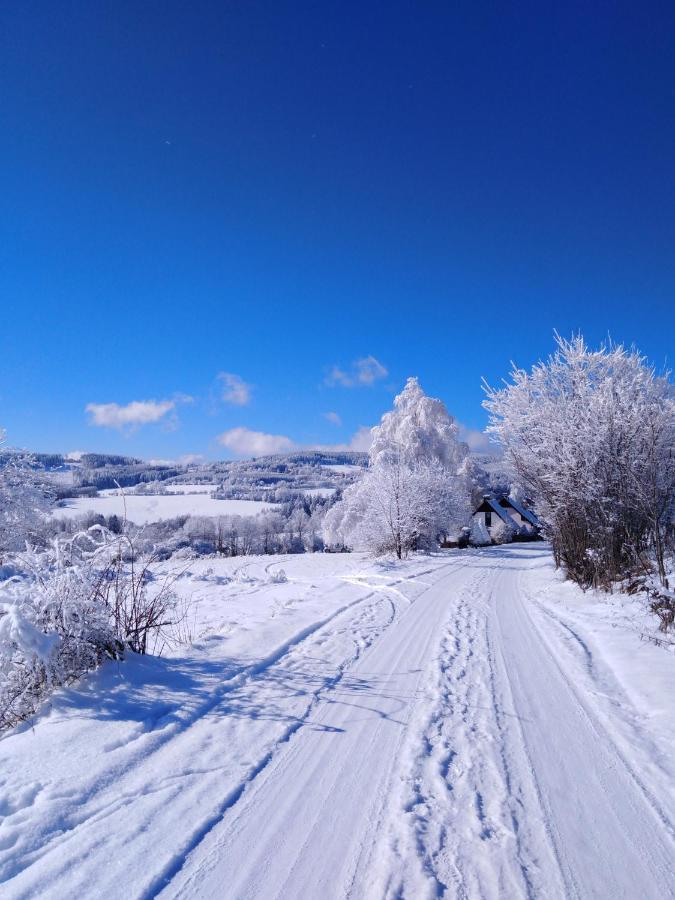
17 631
154 507
460 723
319 492
168 489
503 514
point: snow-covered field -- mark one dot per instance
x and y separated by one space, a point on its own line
166 489
141 508
460 724
342 468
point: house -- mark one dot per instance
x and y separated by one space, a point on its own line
523 521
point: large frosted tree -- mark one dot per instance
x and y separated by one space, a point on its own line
419 429
413 491
591 436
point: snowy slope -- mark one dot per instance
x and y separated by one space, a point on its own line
457 724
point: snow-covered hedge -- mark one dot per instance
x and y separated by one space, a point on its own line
52 629
65 609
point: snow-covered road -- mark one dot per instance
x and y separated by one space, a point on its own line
438 730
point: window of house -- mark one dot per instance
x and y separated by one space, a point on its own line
488 519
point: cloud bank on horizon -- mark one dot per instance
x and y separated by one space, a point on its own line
242 441
246 442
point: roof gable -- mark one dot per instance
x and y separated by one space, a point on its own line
491 505
501 508
502 513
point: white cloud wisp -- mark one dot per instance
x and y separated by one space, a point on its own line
131 416
362 373
245 442
235 390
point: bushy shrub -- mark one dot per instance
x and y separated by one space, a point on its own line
591 437
65 609
52 629
502 532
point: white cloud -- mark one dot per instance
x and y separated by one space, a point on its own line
134 414
333 418
362 373
234 389
360 440
245 442
187 458
478 441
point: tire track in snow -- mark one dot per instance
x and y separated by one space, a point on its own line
450 801
363 635
612 706
608 833
119 788
329 769
462 823
599 727
69 821
535 848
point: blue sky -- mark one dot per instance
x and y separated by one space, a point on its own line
318 200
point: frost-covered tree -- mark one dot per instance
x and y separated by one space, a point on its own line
487 477
24 498
412 491
418 429
591 436
406 506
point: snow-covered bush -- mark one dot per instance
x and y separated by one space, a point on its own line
591 436
52 628
142 612
85 598
404 507
413 492
502 532
24 497
480 536
662 604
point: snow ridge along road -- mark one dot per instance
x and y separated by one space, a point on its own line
437 731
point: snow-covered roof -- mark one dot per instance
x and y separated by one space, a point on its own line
502 513
525 513
491 504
